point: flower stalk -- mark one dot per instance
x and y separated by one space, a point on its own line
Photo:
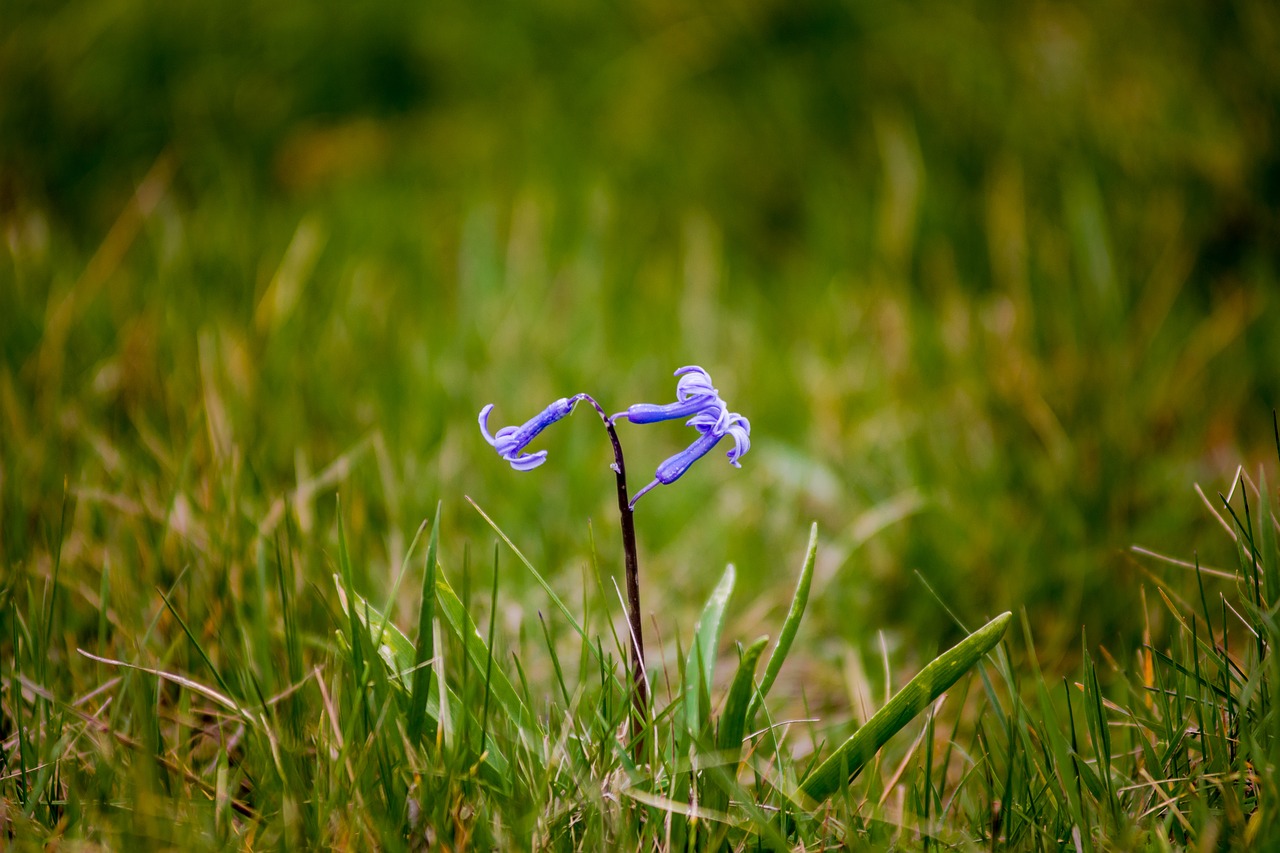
639 682
696 399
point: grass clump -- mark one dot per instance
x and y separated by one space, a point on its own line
326 725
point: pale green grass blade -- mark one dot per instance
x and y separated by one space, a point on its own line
389 642
789 626
930 683
347 585
182 681
477 652
701 664
404 570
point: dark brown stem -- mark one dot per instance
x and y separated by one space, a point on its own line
640 686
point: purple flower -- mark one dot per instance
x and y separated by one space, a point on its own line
712 423
694 393
511 441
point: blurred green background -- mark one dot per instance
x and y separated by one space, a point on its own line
995 284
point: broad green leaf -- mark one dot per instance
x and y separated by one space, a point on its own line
930 683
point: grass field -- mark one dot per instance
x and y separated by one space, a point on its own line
996 288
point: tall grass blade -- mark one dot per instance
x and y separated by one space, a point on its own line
355 638
488 665
546 586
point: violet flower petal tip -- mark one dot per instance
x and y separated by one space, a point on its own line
484 424
528 461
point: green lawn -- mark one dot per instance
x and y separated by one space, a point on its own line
996 288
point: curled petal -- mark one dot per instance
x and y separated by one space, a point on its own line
740 431
714 418
484 424
694 382
529 461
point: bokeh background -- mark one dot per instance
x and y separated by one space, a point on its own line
995 284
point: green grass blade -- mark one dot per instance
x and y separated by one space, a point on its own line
542 582
546 586
722 776
702 655
396 651
462 625
789 626
733 721
389 642
930 683
1268 550
354 638
425 648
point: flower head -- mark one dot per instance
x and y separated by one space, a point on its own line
511 441
713 421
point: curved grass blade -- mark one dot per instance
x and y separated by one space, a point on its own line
930 683
389 642
789 626
701 664
546 587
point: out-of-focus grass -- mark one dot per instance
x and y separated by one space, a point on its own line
991 285
979 277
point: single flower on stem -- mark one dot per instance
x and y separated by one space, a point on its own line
694 393
511 441
696 399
